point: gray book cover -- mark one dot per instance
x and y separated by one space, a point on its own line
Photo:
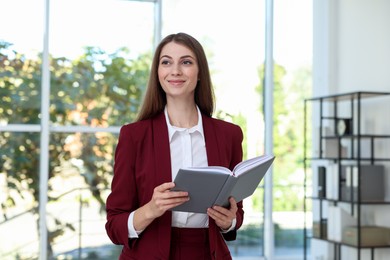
213 185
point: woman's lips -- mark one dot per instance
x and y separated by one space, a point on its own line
176 82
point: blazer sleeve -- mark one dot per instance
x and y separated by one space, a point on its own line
123 198
236 157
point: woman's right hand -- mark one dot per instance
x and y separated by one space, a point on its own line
164 199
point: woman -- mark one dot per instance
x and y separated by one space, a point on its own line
174 129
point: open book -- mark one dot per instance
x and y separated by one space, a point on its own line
213 185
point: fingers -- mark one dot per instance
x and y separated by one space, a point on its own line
233 205
165 186
164 191
224 217
164 199
221 220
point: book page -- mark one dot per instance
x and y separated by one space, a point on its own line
248 180
212 185
249 164
214 169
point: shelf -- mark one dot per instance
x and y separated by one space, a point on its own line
349 159
349 96
341 152
351 202
365 136
333 117
346 244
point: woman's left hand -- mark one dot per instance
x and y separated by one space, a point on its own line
223 217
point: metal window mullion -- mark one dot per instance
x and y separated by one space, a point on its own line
20 128
45 134
268 114
157 23
84 129
31 128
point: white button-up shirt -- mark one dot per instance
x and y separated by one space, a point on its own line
187 148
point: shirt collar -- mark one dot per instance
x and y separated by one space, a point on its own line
173 129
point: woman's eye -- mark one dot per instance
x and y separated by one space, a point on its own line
187 62
165 62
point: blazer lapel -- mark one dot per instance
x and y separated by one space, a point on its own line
162 157
210 137
161 149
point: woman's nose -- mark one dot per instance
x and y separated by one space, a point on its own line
176 70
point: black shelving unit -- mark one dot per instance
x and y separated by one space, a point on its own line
340 140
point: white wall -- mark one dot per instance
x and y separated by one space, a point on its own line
351 52
351 46
363 45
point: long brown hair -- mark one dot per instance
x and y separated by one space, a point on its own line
155 98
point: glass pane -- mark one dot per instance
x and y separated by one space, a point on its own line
19 182
100 60
80 175
292 77
236 57
236 61
21 38
81 171
250 238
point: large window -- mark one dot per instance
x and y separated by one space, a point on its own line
236 56
233 34
292 77
99 57
99 53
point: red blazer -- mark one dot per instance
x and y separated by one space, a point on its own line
142 162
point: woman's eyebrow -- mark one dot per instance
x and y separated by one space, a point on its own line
166 56
186 56
182 57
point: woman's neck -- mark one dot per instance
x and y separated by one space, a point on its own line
184 116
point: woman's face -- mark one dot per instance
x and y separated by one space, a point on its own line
178 71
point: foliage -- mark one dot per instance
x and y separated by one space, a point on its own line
288 96
289 93
96 89
100 89
239 120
